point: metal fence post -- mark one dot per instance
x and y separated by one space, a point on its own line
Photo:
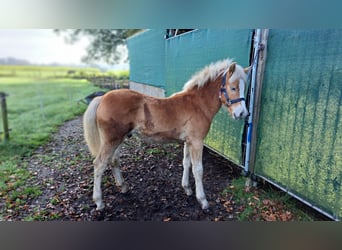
261 38
4 115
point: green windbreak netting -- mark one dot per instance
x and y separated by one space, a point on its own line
300 129
190 52
146 56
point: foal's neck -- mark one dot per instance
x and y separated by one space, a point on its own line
208 98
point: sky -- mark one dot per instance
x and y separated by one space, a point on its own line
43 46
40 46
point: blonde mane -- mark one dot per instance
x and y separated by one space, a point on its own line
211 72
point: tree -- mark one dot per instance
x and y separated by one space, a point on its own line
108 45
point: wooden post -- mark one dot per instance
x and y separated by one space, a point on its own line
4 115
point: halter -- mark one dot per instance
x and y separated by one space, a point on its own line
224 92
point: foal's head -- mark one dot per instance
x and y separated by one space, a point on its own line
232 92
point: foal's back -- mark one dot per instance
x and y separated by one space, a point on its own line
163 119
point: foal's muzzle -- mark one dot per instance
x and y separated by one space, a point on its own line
240 115
240 112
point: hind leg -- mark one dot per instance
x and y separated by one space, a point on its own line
119 180
100 164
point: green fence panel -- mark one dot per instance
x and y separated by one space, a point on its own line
299 144
189 53
147 57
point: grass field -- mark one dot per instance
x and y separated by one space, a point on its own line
39 72
36 107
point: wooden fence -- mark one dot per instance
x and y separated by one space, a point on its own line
4 116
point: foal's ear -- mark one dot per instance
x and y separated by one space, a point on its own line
231 68
247 69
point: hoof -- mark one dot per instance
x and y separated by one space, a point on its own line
99 207
204 205
188 191
124 188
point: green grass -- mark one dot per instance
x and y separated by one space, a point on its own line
40 72
36 107
45 71
265 204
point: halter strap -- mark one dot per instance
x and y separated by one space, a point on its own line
224 92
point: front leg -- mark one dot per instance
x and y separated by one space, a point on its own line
196 149
186 170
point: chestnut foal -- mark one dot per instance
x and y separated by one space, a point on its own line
185 116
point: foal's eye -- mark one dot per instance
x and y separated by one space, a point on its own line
233 88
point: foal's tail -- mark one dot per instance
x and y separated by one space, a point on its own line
91 132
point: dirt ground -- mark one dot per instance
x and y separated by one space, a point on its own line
64 172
